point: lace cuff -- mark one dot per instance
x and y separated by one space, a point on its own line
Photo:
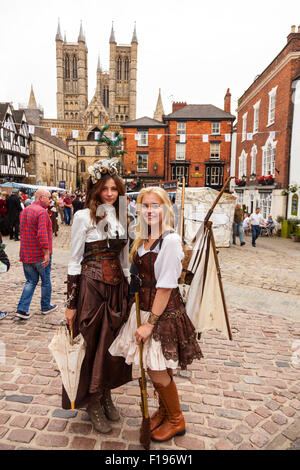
72 290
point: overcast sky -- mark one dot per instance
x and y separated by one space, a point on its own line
193 50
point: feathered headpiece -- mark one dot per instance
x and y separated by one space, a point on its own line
103 167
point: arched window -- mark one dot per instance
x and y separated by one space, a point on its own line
67 66
243 164
82 151
75 67
82 167
269 157
119 69
126 69
117 118
91 118
253 160
99 118
106 96
122 118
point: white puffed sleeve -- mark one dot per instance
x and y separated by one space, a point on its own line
79 230
124 260
168 267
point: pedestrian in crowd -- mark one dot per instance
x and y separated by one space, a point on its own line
270 225
4 262
52 212
77 204
68 208
4 224
246 223
168 334
256 220
36 254
238 225
98 293
27 201
14 209
61 208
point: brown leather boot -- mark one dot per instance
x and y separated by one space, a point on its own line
158 416
174 424
98 418
110 410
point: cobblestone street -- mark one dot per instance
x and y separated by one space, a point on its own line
244 394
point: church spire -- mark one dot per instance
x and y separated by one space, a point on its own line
159 111
81 36
112 38
134 36
32 101
58 36
99 68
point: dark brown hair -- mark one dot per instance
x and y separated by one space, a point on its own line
93 198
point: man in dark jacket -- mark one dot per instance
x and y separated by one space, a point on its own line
77 204
14 209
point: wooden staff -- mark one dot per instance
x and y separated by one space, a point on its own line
145 433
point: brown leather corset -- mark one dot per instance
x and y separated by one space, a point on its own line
147 291
101 261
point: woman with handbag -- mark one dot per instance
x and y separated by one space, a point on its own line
98 292
167 333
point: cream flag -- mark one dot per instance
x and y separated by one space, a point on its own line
204 304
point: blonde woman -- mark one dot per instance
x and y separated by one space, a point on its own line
166 331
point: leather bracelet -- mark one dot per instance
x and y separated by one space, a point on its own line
153 319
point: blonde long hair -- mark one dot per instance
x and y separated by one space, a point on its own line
142 228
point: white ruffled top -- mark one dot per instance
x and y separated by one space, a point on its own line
167 267
84 230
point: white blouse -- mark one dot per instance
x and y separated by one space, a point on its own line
167 267
84 230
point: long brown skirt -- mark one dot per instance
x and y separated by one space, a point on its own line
102 310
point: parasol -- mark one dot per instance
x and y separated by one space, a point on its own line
69 355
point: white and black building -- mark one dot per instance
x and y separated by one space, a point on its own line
14 144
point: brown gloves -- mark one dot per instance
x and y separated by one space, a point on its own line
72 291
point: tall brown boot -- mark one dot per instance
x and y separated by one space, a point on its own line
174 424
159 415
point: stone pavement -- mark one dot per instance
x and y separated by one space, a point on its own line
244 394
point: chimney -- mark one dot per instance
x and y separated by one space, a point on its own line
227 102
177 105
294 34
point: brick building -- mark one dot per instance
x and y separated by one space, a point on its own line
194 142
145 143
197 146
264 129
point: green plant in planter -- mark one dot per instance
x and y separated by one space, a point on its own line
280 219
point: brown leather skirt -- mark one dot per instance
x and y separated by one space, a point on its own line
101 311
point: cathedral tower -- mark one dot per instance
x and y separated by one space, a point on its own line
72 77
122 79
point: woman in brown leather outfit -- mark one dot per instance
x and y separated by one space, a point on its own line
167 332
98 292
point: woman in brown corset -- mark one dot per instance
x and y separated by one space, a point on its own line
98 292
167 332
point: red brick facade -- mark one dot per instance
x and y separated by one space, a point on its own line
181 151
278 75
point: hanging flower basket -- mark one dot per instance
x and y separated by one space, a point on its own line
262 180
240 182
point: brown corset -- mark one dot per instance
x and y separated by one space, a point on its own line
101 261
147 290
